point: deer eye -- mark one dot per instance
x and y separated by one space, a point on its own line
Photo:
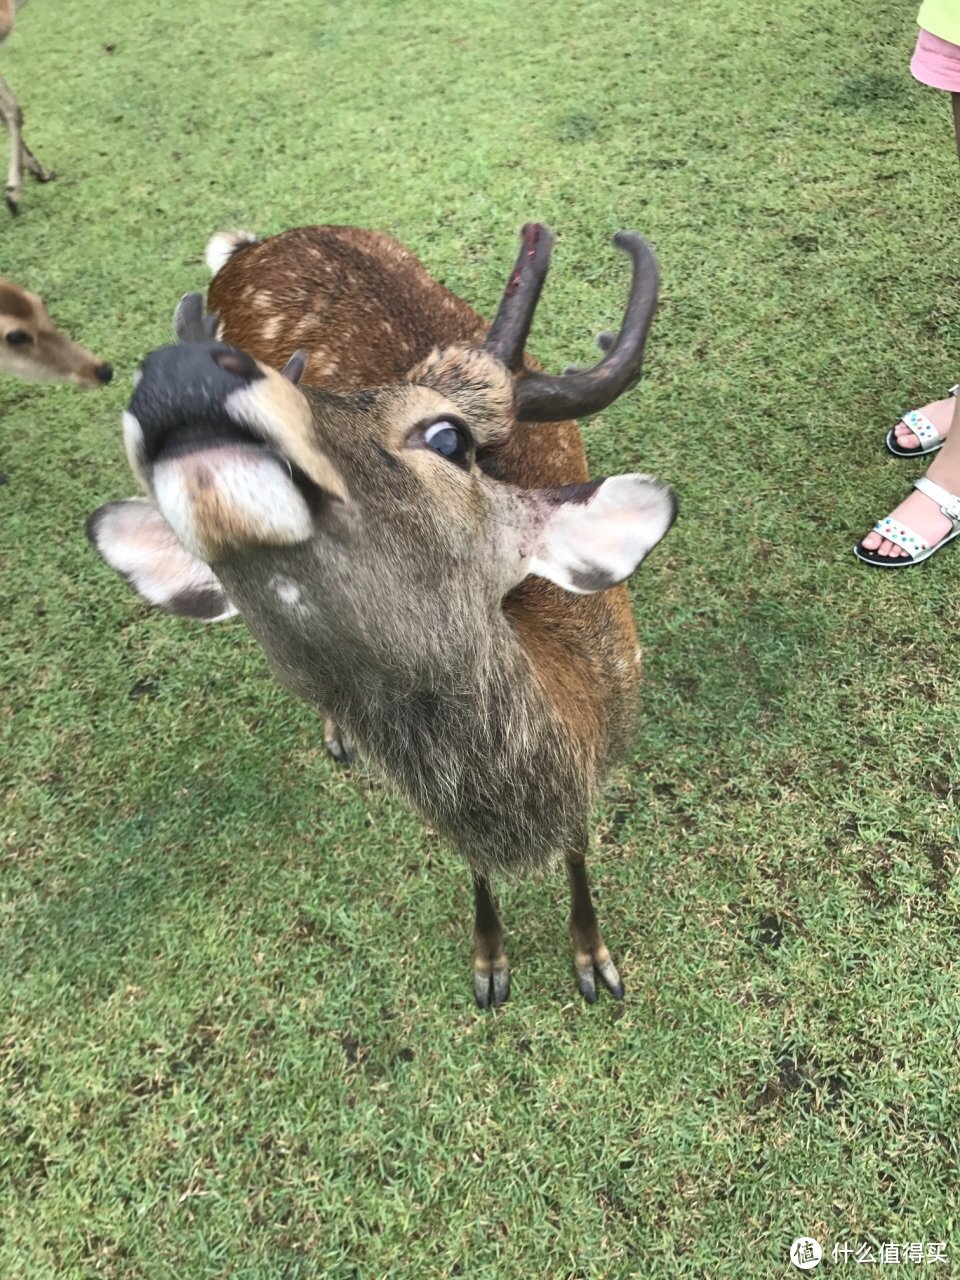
17 337
450 439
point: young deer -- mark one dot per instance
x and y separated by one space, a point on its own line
32 347
20 153
438 576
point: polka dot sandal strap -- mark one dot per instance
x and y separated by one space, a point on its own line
902 535
922 428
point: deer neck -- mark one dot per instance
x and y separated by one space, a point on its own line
478 745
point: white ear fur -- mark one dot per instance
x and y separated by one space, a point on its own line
133 538
596 536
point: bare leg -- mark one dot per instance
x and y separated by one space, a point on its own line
918 512
491 972
939 412
589 952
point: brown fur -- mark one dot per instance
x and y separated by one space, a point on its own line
8 14
496 711
357 301
47 355
367 312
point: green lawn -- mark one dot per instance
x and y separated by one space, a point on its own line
237 1036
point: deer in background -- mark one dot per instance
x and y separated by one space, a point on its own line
417 559
20 154
32 347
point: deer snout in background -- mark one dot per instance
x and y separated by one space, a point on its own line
32 347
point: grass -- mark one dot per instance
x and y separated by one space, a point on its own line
237 1032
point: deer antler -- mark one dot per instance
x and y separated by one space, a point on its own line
191 323
508 333
542 397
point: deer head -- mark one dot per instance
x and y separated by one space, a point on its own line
362 533
32 347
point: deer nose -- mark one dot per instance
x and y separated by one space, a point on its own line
190 379
103 372
181 395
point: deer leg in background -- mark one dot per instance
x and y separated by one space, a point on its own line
491 972
20 154
33 165
589 951
13 120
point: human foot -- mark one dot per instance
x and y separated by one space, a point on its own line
913 528
923 430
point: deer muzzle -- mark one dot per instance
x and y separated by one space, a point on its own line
204 434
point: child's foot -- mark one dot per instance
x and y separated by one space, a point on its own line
939 412
919 515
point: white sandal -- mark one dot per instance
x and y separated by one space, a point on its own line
917 548
920 425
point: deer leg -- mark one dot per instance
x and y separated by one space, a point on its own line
491 972
13 120
33 165
589 951
337 742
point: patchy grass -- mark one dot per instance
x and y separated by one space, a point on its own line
237 1037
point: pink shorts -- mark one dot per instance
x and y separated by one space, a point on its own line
936 62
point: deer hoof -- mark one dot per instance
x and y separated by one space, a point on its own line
337 743
12 198
587 968
491 987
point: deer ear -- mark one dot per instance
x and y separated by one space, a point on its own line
591 536
133 538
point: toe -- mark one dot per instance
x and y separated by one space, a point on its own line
491 985
881 547
905 437
337 742
593 960
614 983
501 986
481 989
586 982
939 413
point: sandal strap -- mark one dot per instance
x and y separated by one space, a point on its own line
922 427
948 503
902 535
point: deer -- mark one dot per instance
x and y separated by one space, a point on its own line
397 504
32 347
20 154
